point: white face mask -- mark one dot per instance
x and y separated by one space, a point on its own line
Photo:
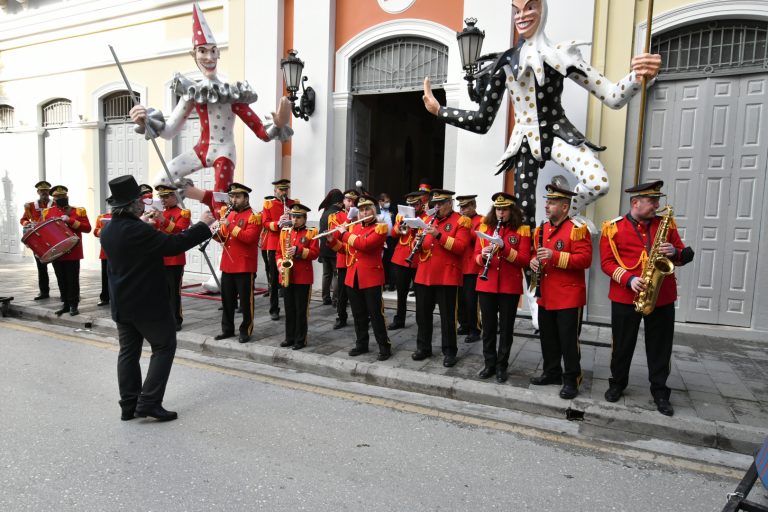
385 205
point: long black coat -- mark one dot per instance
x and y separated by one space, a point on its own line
135 250
325 251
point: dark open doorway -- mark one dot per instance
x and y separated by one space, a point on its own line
395 143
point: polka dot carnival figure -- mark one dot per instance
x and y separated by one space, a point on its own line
533 72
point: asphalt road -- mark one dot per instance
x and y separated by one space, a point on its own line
245 444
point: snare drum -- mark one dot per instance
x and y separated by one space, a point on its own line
50 240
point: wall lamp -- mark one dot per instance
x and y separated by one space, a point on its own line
293 68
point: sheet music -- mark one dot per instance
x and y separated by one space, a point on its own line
406 211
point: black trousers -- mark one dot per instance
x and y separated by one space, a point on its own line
368 307
559 335
174 274
403 279
232 286
161 335
296 298
329 283
341 294
498 308
389 250
445 298
104 295
274 283
659 333
42 277
468 307
265 258
68 278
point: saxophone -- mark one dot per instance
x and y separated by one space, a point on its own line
287 263
656 268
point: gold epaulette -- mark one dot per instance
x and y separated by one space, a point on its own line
311 232
579 233
524 230
382 229
255 218
483 227
398 218
332 218
267 204
609 227
186 213
80 212
465 222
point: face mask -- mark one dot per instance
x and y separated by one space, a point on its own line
385 206
62 202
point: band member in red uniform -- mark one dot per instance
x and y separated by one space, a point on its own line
563 255
240 231
335 220
500 293
625 245
276 216
172 220
365 278
469 323
439 275
405 272
31 216
297 245
67 267
101 221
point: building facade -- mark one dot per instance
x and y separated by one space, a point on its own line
63 111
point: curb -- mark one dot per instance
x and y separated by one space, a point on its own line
612 419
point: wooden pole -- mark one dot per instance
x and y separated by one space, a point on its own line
643 96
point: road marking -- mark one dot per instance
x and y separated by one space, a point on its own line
528 432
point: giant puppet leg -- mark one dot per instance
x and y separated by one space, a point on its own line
181 166
582 162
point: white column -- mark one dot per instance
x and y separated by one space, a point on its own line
342 103
263 51
312 149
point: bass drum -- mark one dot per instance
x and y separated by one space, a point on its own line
50 240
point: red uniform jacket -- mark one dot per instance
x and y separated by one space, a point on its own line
174 220
337 246
624 247
365 245
505 273
271 212
240 237
468 264
78 222
307 250
404 243
440 260
563 284
97 231
33 211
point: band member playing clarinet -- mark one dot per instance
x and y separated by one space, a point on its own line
404 272
625 246
563 252
500 282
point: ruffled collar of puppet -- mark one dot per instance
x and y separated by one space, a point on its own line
206 91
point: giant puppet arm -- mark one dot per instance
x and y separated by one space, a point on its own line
477 121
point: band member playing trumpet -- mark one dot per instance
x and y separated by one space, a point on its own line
67 267
365 277
500 263
276 216
469 323
404 272
335 220
240 231
625 246
563 252
31 216
297 246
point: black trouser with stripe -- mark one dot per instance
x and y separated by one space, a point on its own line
341 294
42 277
232 285
368 307
498 308
68 278
659 333
104 295
445 298
174 274
559 336
296 299
403 279
274 283
468 305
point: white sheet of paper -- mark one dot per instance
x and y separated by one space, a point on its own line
221 197
154 205
414 222
406 211
493 240
353 213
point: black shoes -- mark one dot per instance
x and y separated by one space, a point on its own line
357 351
297 346
243 338
101 303
501 375
286 343
395 325
544 380
613 394
327 302
274 316
486 372
42 296
129 412
420 355
472 338
64 309
569 391
664 407
157 412
339 323
224 335
73 311
449 361
384 355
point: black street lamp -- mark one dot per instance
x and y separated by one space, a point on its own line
292 74
470 45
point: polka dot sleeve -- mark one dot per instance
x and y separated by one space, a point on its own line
178 117
481 120
251 120
613 95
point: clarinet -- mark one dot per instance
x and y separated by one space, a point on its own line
541 264
487 267
419 241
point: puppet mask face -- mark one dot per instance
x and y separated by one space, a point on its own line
527 15
207 57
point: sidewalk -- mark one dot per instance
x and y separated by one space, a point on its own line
719 386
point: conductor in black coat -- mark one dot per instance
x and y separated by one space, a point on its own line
139 297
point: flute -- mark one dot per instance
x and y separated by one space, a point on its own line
358 221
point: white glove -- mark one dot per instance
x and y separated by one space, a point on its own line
65 218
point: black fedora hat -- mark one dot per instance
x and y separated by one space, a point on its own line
124 190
